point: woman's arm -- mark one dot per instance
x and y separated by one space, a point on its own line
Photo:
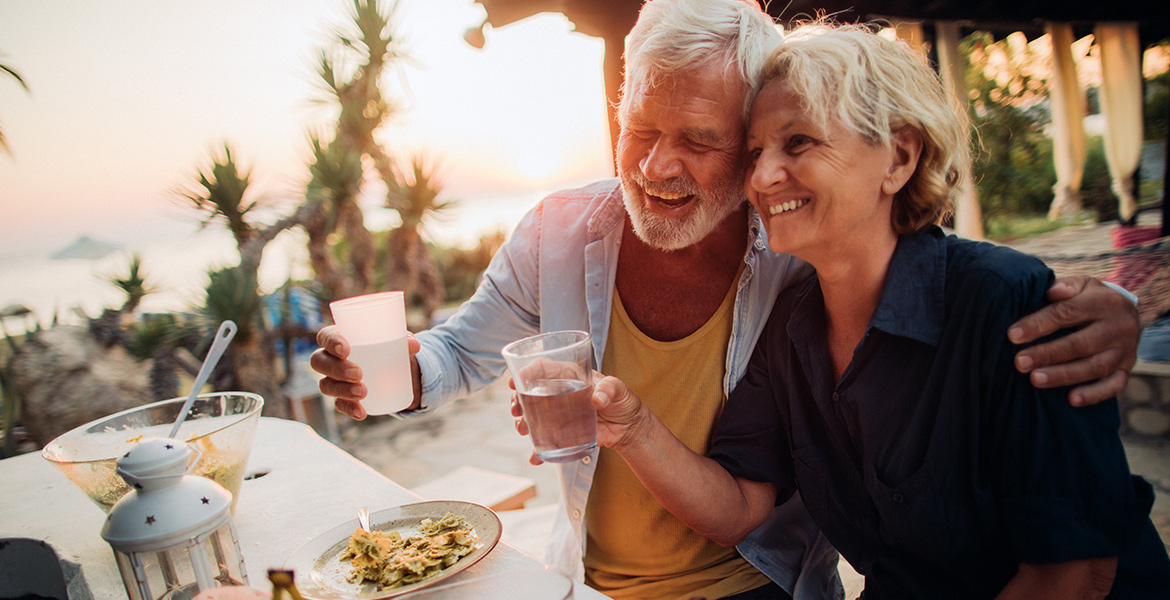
1074 580
700 492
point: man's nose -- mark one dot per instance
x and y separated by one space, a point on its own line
662 162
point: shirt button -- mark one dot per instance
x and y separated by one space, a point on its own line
898 498
576 514
759 245
836 397
587 460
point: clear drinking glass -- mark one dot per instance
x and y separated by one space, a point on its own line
553 376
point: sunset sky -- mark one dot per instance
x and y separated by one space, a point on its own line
130 97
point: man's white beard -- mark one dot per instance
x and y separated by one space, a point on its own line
709 209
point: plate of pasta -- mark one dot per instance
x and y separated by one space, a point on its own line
407 548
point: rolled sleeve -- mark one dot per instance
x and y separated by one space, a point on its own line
751 438
1055 529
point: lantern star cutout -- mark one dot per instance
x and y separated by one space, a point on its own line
150 520
206 501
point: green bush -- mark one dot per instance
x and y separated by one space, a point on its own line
1013 165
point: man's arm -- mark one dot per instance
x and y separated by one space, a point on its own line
462 354
1097 357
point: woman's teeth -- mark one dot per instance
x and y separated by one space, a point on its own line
787 206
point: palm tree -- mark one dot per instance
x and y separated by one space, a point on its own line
412 267
133 285
336 179
110 327
222 195
369 43
15 75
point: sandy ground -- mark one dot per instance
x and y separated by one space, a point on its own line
478 431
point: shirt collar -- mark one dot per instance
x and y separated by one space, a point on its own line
913 301
609 214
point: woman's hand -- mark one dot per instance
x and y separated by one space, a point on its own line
621 416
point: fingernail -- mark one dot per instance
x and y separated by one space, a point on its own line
1015 334
353 373
1024 363
337 349
356 390
1076 399
1039 378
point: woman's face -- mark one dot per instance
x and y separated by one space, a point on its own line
818 191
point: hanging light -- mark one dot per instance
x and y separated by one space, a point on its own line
172 534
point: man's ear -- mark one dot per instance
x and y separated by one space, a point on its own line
905 150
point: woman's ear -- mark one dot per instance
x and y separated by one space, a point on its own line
905 149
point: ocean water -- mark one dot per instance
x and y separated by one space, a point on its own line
177 255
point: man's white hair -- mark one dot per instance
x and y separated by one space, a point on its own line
675 35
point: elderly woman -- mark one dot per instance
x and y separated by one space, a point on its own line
882 387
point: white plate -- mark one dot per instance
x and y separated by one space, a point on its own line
320 573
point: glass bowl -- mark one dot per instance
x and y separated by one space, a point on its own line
220 425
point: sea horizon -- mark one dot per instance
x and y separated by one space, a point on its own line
177 254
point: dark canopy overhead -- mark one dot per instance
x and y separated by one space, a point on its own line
1000 16
601 18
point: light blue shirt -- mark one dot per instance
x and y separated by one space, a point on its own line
557 271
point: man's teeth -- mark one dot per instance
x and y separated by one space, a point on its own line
669 195
787 206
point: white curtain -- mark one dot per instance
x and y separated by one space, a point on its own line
968 216
1121 103
1068 129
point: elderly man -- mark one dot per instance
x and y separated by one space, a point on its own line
669 269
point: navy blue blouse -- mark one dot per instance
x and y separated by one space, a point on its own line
933 466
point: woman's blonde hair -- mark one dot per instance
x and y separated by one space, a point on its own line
850 75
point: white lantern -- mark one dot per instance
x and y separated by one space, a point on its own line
172 534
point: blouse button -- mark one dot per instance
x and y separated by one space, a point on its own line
587 460
898 498
576 514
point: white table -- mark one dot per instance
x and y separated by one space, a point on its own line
308 487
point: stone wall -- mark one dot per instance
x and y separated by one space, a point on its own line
1145 403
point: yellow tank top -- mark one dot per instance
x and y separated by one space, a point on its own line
635 547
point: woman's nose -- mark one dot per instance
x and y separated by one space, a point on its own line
766 172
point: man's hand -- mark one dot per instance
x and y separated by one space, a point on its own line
343 378
1098 355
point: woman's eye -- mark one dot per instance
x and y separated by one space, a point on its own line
797 143
753 155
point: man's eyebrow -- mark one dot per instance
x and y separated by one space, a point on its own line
704 135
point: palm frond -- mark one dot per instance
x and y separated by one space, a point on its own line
15 75
220 192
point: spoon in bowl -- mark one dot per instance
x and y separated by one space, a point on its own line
227 330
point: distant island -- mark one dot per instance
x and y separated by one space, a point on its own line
86 248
